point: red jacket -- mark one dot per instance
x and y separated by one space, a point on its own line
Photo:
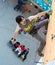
22 47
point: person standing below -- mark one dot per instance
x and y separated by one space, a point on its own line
20 4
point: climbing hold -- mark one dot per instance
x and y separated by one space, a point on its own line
51 11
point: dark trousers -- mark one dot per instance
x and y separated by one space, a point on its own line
42 44
24 53
19 5
40 49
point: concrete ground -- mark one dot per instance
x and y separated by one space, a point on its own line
7 28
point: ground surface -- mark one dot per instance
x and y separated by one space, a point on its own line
7 27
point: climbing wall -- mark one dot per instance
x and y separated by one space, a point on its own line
49 53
